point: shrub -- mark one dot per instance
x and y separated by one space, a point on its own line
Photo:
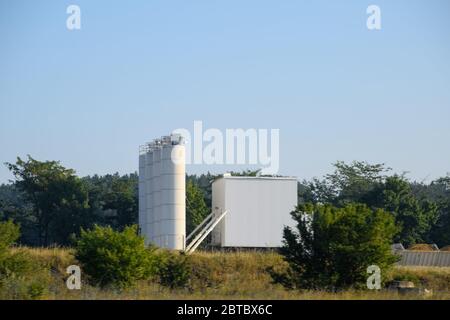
21 277
174 270
114 258
332 247
9 233
207 272
29 286
12 263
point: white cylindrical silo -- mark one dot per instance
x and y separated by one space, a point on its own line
173 190
162 207
149 195
142 193
157 193
151 214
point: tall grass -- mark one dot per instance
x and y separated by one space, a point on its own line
231 275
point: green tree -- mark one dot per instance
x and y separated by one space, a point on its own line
331 247
113 199
415 216
14 206
58 197
349 183
438 191
414 210
122 199
441 230
196 209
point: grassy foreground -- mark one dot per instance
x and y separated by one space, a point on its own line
228 275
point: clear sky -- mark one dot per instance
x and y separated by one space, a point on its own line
139 69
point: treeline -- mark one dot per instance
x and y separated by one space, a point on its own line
421 211
52 204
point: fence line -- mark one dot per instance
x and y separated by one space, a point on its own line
424 258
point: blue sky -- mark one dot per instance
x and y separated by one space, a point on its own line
139 69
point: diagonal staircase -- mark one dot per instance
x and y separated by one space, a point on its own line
202 231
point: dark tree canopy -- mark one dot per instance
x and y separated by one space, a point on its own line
50 202
417 209
332 247
58 197
196 209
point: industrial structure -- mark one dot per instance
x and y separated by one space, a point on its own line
427 258
258 210
246 211
162 204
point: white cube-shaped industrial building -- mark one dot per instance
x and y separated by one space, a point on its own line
258 209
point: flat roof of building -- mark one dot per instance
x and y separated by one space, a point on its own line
254 178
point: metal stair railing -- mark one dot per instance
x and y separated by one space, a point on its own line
204 232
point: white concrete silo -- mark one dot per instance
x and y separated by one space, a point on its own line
156 192
162 207
149 196
173 193
142 191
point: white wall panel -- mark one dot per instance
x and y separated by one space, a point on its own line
258 209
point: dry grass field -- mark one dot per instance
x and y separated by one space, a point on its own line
231 275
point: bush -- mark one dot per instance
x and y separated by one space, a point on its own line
333 247
29 286
207 272
12 263
21 277
114 258
9 233
174 270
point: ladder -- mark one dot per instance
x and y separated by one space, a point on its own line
207 228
